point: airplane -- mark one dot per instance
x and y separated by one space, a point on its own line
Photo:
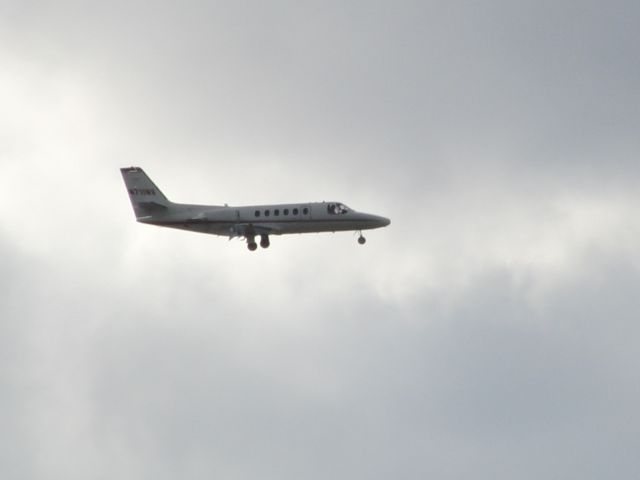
152 207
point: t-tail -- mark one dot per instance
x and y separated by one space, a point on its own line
147 199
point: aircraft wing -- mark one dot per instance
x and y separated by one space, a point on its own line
251 230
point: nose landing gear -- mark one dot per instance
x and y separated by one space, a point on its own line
362 240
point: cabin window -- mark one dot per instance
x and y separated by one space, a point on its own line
266 213
305 211
257 213
276 212
286 211
295 211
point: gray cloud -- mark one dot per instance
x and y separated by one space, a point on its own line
494 386
488 332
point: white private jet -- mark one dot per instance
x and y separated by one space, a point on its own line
152 207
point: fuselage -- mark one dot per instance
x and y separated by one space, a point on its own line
277 219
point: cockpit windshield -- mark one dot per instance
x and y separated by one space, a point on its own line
337 209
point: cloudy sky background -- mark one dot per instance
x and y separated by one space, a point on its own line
490 332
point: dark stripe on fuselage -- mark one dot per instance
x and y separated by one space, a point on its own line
260 222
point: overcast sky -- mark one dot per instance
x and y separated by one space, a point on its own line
491 331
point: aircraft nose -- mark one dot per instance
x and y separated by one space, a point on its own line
373 221
382 221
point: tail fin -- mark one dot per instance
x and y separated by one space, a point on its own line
146 198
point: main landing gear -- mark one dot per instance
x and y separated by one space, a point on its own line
264 242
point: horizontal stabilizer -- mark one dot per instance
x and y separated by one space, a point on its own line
151 206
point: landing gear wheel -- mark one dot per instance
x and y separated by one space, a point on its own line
264 241
252 245
362 240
